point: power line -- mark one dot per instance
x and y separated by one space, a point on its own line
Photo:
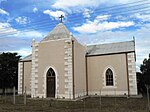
31 26
126 4
113 15
121 10
118 14
133 11
42 27
98 10
75 20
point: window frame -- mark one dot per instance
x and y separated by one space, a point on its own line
114 77
109 77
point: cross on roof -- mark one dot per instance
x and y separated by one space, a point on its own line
61 18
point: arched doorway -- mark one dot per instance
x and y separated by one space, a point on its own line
50 83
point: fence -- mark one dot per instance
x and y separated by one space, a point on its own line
90 104
7 91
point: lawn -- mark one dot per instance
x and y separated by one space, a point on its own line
90 104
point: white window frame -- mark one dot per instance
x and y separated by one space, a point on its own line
104 77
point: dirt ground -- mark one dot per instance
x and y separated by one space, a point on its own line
90 104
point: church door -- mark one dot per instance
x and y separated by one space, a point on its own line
50 83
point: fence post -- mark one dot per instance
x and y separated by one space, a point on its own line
14 92
100 100
83 102
25 98
115 100
147 86
70 94
5 95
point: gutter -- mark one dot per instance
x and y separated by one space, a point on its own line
86 66
22 77
73 92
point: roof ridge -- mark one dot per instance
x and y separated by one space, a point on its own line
111 43
60 31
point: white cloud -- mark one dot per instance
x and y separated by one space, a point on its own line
66 4
4 25
54 14
3 12
143 17
29 34
100 25
35 10
23 52
22 20
87 12
104 37
12 43
102 18
6 29
122 18
70 4
20 42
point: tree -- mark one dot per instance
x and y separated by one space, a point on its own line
144 76
8 70
145 69
140 83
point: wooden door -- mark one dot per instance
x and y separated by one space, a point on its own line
50 83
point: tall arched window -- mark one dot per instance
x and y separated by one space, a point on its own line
51 83
109 77
50 72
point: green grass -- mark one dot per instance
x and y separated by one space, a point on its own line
91 104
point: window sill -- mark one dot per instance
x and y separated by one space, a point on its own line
109 87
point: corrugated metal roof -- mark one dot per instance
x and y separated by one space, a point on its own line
60 31
111 48
27 58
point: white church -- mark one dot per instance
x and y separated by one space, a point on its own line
61 67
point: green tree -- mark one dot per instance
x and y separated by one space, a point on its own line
140 83
145 69
8 70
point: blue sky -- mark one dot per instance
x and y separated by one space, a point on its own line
90 21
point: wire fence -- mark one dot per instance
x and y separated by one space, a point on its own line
88 104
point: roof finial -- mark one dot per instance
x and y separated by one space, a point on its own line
134 40
61 18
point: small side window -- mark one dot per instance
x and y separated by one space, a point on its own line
109 77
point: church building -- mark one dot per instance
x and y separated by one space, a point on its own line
61 67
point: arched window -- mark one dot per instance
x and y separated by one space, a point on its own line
109 77
50 72
51 83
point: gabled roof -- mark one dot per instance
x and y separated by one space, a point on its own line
60 31
27 58
120 47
